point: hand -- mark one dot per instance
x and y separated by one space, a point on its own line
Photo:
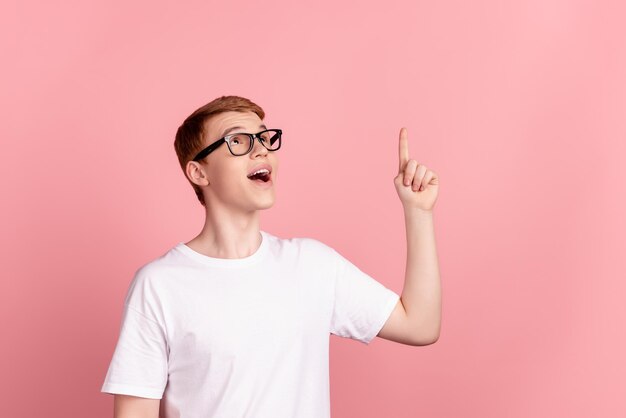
416 185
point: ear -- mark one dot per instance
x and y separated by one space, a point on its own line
196 173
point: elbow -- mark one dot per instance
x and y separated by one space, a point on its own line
434 339
426 338
425 331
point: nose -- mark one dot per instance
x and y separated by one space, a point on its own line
257 147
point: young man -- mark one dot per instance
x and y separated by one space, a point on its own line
236 322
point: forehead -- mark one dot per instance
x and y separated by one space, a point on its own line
217 124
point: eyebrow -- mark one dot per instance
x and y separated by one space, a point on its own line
239 127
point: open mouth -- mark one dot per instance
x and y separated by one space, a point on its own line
262 176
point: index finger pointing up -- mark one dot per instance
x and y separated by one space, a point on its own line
403 150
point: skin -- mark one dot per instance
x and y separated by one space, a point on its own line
232 224
126 406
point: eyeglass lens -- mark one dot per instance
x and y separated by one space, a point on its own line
240 143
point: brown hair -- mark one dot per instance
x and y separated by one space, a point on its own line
190 135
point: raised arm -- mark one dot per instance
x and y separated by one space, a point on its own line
416 320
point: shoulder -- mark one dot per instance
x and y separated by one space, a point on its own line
302 246
150 273
314 246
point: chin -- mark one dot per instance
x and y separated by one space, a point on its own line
266 205
261 203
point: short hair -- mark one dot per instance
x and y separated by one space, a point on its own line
190 135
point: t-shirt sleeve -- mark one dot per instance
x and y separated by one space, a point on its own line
361 304
139 366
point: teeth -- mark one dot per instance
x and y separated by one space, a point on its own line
263 170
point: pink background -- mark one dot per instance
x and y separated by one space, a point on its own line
518 106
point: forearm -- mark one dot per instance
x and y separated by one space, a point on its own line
421 295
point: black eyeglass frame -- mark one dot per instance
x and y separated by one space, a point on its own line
212 147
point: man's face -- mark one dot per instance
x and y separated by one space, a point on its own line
227 174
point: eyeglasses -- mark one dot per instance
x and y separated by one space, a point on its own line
242 143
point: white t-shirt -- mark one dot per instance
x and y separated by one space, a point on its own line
246 337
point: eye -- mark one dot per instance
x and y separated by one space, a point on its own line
238 139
